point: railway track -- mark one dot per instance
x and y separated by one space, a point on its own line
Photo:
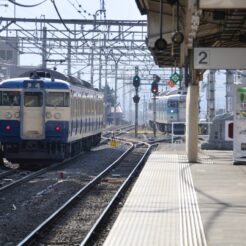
5 174
34 200
96 200
12 178
18 177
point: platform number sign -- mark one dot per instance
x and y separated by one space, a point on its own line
201 58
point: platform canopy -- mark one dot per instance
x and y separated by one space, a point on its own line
204 23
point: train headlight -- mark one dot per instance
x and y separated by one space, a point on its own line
172 111
57 116
48 115
17 115
8 115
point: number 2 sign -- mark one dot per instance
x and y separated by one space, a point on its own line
219 58
201 58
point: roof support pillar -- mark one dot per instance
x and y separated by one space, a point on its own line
192 122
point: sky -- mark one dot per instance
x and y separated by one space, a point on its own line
116 9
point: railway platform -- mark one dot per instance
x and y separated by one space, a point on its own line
174 202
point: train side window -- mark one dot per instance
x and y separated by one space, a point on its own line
81 107
86 107
89 107
72 109
10 98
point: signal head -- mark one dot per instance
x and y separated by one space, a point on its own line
154 88
136 81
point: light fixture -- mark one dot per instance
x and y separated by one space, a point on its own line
178 37
57 116
8 115
17 115
48 115
161 43
172 2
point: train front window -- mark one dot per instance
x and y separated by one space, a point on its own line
57 99
173 104
10 98
33 99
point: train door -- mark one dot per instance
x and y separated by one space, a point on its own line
32 115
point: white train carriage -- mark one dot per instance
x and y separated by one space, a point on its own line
169 108
48 118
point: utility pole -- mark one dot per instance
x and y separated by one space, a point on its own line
130 106
124 94
154 90
44 47
92 64
100 69
115 84
229 90
115 90
69 58
136 98
144 110
106 89
154 115
210 96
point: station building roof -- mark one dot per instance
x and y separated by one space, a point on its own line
204 24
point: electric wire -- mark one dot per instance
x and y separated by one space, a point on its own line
26 6
79 11
63 23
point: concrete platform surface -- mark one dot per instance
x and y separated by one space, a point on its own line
174 202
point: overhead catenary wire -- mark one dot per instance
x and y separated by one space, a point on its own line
63 23
79 11
26 6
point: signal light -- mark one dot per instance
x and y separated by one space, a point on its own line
136 99
136 81
58 128
154 88
8 128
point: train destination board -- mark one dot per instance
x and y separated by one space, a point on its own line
219 58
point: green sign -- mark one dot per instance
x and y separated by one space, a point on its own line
175 77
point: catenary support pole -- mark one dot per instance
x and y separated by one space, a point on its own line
154 115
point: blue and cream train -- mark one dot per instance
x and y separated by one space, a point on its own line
169 108
48 115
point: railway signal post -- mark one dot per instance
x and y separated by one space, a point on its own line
136 98
154 90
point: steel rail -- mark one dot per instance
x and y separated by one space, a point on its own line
50 220
7 173
32 175
89 237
